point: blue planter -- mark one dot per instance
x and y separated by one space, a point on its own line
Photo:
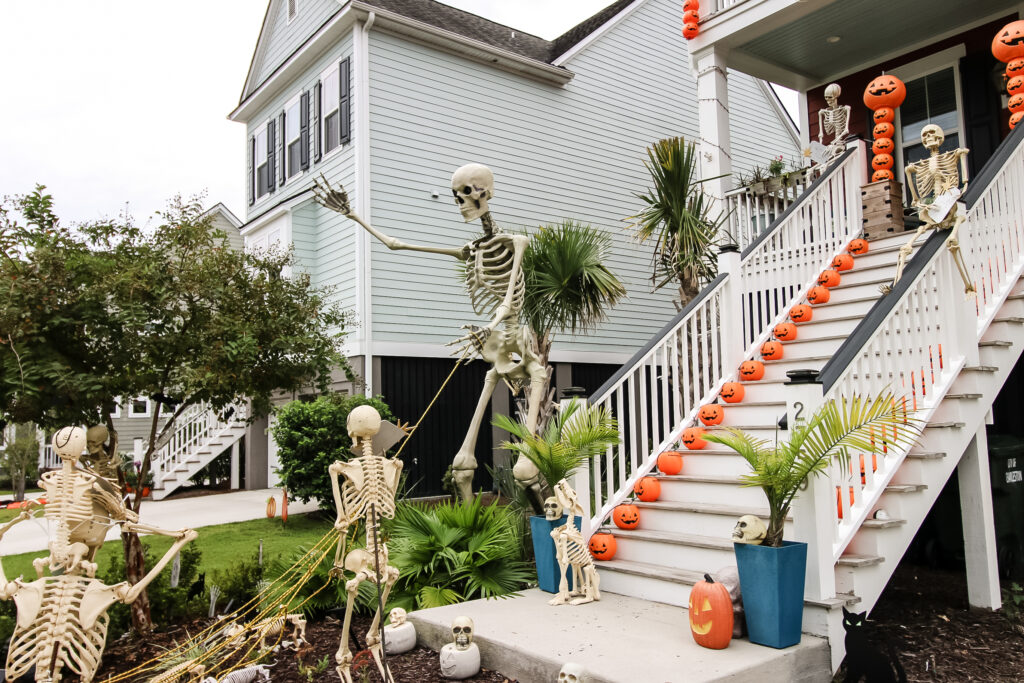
544 551
772 584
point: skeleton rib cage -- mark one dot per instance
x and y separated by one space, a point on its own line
939 173
488 270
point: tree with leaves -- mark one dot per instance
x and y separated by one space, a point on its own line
96 312
20 459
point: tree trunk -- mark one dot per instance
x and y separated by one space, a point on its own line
19 486
135 568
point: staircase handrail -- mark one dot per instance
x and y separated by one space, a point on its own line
197 425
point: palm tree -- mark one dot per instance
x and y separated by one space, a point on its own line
678 217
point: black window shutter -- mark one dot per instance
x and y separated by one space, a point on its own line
252 176
345 100
304 130
271 154
317 104
283 175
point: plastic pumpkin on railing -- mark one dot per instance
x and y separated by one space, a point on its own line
1008 46
691 19
882 96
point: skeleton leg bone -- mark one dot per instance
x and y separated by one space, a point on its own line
524 471
953 244
905 252
343 657
464 464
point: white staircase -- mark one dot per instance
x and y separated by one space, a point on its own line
200 435
948 356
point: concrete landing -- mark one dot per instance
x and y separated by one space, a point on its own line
618 640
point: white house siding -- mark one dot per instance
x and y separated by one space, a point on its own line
283 38
556 152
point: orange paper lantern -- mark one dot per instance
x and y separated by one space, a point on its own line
1015 85
839 500
751 370
771 350
1016 103
1008 43
882 174
711 414
690 31
883 130
883 146
885 91
818 295
1015 67
1015 119
691 5
858 246
732 392
883 115
882 162
691 17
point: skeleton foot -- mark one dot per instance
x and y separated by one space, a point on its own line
885 289
559 600
581 601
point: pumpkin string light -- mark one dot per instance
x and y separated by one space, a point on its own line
1008 47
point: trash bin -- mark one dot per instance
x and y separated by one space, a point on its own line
1006 469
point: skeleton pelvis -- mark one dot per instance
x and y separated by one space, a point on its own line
511 352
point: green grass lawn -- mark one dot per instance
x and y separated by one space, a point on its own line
222 545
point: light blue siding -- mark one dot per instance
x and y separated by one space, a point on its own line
282 38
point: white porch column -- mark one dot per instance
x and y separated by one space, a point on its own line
234 465
804 113
713 109
979 524
732 308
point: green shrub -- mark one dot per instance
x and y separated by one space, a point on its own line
312 435
167 605
239 583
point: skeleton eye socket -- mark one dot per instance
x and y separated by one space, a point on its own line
743 525
467 190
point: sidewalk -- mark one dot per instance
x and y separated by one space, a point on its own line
218 508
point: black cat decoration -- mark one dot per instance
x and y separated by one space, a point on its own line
863 659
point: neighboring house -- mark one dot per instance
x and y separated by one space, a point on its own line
389 97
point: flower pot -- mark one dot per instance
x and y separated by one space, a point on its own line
544 551
772 585
146 491
128 488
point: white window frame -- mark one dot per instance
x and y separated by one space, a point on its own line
131 407
324 111
295 102
262 130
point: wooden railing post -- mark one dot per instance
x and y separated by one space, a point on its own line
731 307
581 477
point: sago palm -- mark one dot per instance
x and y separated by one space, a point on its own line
859 425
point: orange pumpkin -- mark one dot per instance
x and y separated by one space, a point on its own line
839 500
1015 85
883 146
885 91
829 278
818 295
602 546
785 331
771 350
732 392
882 174
1016 103
711 414
647 489
692 440
691 5
671 462
691 16
711 617
1015 67
690 31
883 130
271 507
858 246
842 262
882 162
883 115
801 313
1008 43
751 370
1015 119
626 516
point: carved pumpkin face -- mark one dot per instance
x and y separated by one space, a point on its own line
883 115
1015 85
690 31
802 313
692 440
882 162
785 331
602 546
818 295
711 617
626 516
732 392
711 414
691 16
882 174
829 278
1015 119
1015 67
1009 42
691 5
771 350
883 130
858 246
883 146
751 370
647 489
842 262
1016 103
885 91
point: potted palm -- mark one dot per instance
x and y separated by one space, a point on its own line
574 435
772 574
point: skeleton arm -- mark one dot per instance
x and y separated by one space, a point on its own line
962 154
821 125
128 595
26 514
910 172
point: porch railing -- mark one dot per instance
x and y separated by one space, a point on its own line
196 426
750 213
48 458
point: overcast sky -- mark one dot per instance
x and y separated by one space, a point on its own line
124 102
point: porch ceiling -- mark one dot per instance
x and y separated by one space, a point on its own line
870 32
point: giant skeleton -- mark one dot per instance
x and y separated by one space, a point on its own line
496 286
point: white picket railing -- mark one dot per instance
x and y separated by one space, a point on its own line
750 213
48 458
196 426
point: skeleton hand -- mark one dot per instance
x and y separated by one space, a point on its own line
405 426
473 340
333 199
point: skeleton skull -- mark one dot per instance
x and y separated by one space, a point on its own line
472 186
363 422
832 93
749 529
552 509
462 632
932 137
96 436
571 673
69 442
397 616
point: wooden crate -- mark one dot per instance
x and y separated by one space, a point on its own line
882 208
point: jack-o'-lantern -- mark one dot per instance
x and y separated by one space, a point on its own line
842 262
1016 103
883 115
829 278
690 31
692 440
732 392
751 370
883 130
671 462
602 546
1009 42
882 162
801 313
771 350
839 500
711 617
858 246
711 414
647 489
883 146
691 16
626 516
785 331
1015 119
818 295
1015 85
691 5
1015 67
882 174
885 91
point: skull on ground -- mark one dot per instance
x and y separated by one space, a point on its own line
571 673
472 186
462 632
397 616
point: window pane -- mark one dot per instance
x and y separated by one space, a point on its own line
294 158
261 144
930 99
291 119
330 92
331 131
262 180
140 406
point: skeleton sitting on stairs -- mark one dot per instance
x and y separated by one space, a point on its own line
496 286
935 188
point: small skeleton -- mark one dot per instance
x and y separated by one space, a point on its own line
62 620
835 121
496 285
934 188
571 551
257 673
188 670
364 488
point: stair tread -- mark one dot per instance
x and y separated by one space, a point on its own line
806 340
836 319
979 368
995 342
883 523
802 359
927 455
963 396
702 478
1010 319
673 537
855 560
946 425
874 282
708 508
753 404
